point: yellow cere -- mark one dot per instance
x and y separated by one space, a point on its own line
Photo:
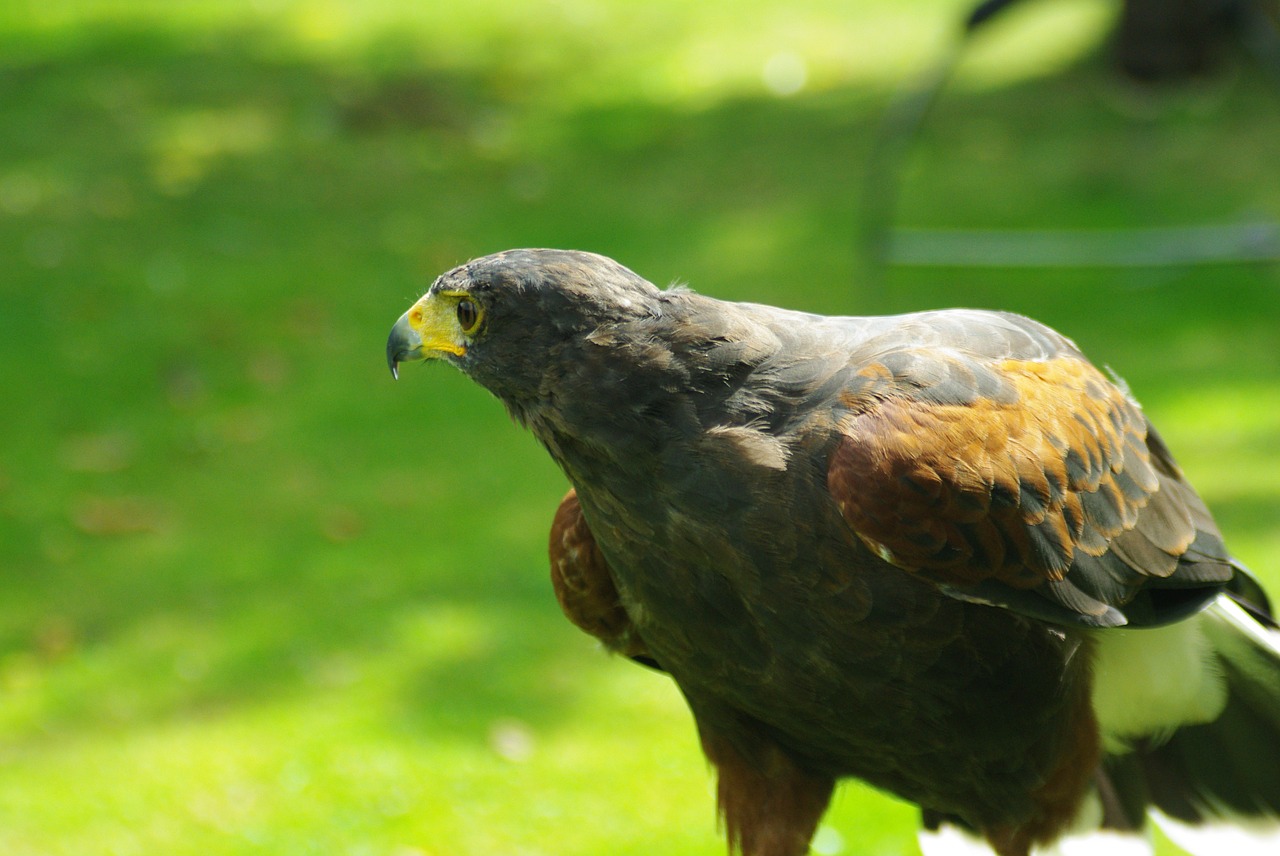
434 318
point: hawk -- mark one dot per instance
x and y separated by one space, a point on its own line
940 552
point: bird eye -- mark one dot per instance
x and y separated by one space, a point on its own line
468 314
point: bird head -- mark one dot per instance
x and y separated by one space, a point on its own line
504 319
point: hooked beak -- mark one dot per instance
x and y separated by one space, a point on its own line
428 331
404 344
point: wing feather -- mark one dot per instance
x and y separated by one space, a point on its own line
584 586
1060 489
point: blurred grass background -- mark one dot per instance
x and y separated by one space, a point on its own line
257 599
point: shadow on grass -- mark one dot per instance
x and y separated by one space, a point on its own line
211 495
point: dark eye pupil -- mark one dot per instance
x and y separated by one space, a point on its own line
467 314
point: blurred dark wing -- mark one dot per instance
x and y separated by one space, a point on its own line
1037 485
584 586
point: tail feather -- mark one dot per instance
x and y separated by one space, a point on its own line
1212 785
1216 786
1231 766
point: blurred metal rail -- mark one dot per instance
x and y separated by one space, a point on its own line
1147 247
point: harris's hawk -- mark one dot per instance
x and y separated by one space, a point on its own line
940 552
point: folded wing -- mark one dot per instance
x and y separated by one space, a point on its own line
1038 486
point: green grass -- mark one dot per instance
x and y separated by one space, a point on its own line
258 599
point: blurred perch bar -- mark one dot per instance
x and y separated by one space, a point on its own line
1147 247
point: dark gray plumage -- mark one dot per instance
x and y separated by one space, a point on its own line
872 547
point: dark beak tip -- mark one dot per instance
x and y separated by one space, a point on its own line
393 356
